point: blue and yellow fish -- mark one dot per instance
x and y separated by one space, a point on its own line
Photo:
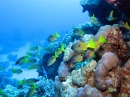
52 59
81 46
110 17
94 20
53 37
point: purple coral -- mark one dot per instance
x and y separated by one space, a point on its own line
108 62
63 70
88 91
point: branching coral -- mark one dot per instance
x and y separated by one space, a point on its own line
108 62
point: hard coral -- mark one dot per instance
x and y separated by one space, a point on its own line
125 80
63 71
104 31
105 76
88 91
81 76
68 52
75 79
115 44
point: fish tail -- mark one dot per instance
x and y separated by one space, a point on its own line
111 13
127 26
101 39
91 43
57 35
56 55
62 48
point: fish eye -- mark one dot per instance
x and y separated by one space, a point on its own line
81 55
78 45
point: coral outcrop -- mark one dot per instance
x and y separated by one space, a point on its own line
105 74
125 80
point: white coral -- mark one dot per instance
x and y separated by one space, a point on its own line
68 52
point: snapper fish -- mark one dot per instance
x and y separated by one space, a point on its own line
24 60
53 37
76 58
27 81
78 32
33 48
100 41
81 46
124 25
110 17
52 59
60 50
94 20
32 90
16 70
29 54
35 66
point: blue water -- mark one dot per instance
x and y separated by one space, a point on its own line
33 20
23 21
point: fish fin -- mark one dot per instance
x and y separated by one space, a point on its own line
56 55
102 39
62 47
91 43
93 16
57 35
111 13
127 26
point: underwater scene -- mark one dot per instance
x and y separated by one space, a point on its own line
65 48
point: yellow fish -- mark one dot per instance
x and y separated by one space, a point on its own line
33 48
124 25
35 66
29 54
78 32
81 46
60 50
22 60
94 20
100 41
16 70
110 17
32 60
32 90
76 58
27 81
52 59
53 37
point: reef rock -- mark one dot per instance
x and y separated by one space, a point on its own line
125 80
107 73
80 76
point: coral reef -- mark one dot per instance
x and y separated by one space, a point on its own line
105 75
98 80
101 70
45 88
88 91
68 52
77 78
115 43
125 80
